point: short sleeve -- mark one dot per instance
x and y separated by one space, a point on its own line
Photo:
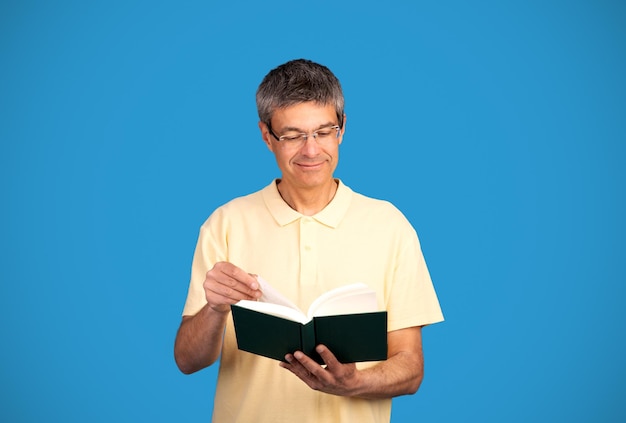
210 249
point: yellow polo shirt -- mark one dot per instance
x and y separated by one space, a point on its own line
354 239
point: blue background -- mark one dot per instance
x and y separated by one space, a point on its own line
498 128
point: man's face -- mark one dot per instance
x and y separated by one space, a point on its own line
310 163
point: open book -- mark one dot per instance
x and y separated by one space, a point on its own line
345 319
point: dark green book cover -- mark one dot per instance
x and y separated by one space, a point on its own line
350 337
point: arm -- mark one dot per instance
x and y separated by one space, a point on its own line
199 338
400 374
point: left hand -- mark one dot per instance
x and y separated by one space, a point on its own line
336 378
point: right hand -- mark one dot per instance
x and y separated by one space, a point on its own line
225 284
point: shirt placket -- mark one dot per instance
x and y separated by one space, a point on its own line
308 251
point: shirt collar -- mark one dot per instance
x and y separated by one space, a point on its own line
331 215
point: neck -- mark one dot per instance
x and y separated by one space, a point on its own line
308 201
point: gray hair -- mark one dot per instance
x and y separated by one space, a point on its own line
295 82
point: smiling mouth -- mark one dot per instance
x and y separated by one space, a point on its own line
310 165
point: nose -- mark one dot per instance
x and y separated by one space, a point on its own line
310 146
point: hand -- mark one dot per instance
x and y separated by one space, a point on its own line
336 378
225 284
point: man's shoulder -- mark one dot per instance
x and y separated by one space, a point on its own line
373 204
377 209
243 202
240 205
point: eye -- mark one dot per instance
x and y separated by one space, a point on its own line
291 137
323 133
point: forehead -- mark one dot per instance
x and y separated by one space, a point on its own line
309 115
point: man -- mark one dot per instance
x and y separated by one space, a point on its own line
305 233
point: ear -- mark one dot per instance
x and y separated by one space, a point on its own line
343 130
266 136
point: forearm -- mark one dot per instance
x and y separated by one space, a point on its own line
399 375
199 340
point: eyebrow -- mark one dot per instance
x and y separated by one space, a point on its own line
295 129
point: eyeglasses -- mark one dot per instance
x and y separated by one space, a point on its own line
321 135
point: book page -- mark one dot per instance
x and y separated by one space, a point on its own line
275 310
349 299
271 295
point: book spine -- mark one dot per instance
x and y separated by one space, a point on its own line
309 342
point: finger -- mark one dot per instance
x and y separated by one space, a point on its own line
296 367
293 366
219 294
230 281
232 292
329 358
239 275
310 366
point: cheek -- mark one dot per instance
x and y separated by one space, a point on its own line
334 153
283 158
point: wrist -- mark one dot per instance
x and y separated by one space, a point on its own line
215 311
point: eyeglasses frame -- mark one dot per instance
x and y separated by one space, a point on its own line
305 134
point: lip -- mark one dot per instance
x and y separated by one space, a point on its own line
310 166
